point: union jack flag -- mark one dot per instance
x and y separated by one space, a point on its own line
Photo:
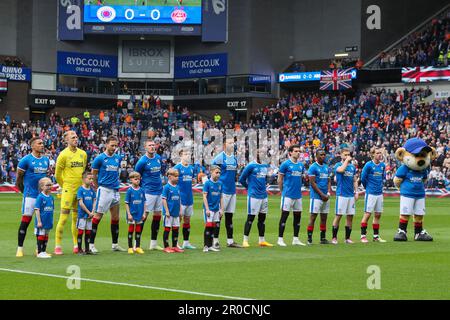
425 74
338 79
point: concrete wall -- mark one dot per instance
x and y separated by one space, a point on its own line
325 27
16 101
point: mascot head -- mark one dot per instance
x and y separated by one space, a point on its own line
416 154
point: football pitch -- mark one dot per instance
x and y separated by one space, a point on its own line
185 3
410 270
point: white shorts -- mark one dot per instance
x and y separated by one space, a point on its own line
135 222
106 198
170 222
318 206
187 211
41 231
345 206
255 206
373 203
288 204
213 217
229 202
84 224
28 206
409 206
153 203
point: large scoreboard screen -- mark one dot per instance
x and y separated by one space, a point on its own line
143 11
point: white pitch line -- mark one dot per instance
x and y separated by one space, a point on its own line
125 284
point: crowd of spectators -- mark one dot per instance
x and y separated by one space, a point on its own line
429 47
377 117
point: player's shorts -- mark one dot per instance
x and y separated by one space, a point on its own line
69 199
373 203
106 198
345 206
170 222
153 203
409 206
229 202
213 217
41 231
318 206
187 211
288 204
28 206
84 224
255 206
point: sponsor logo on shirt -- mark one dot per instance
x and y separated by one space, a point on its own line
416 179
40 170
77 164
348 174
377 174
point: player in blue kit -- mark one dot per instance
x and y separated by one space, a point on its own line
30 170
86 202
43 221
253 178
212 207
185 181
228 164
105 169
149 166
136 213
320 190
372 178
411 181
290 184
346 195
171 200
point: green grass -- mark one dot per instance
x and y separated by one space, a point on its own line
409 270
186 3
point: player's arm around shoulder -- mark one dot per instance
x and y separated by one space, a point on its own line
205 198
400 175
221 205
19 180
85 159
37 211
281 174
355 186
59 168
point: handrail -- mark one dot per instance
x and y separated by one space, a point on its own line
419 27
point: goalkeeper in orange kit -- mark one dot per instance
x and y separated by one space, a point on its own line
70 165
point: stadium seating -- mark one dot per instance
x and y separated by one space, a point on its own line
429 47
331 121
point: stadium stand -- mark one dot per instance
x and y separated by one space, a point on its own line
311 119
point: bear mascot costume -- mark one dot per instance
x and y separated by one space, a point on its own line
416 157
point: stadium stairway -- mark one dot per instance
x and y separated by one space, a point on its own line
420 27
